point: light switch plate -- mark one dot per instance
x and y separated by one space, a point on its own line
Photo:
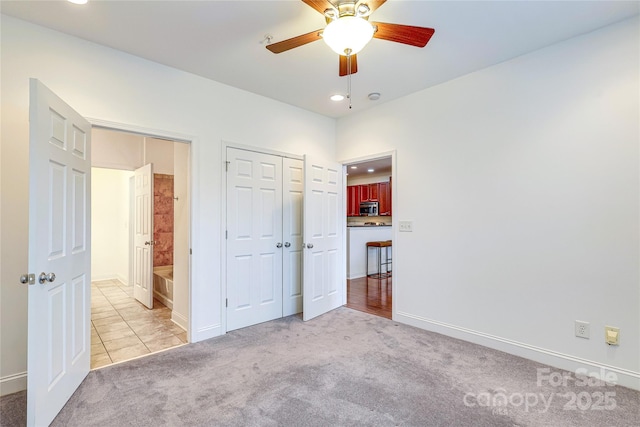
406 226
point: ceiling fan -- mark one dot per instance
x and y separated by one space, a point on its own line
348 30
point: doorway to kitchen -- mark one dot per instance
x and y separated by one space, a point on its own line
369 233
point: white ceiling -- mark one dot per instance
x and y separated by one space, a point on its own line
224 41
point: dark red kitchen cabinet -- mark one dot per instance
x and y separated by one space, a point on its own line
369 192
353 200
384 198
364 192
373 192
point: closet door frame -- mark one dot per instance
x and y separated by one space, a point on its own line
223 214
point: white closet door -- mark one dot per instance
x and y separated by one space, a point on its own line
324 224
254 238
293 187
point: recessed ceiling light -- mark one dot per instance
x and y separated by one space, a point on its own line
78 1
354 167
370 170
337 97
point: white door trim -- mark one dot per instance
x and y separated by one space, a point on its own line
397 276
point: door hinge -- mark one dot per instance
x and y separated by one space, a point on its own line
190 251
226 234
226 302
226 166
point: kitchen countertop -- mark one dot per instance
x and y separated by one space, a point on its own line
368 226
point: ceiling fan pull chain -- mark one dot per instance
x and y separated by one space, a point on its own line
348 52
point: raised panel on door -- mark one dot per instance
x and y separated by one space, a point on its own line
353 200
254 229
292 232
384 197
373 192
58 353
364 192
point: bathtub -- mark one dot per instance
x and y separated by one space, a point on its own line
163 284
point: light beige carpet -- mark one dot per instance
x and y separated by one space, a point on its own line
344 368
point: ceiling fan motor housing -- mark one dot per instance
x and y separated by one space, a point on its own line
347 8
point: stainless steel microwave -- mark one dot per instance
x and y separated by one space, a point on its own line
368 208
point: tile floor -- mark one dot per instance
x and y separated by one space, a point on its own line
122 328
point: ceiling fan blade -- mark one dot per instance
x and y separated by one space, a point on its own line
319 5
285 45
344 69
407 34
373 4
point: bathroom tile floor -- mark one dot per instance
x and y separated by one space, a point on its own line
122 328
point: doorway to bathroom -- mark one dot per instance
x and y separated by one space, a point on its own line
124 325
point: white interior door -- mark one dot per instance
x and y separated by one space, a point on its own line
254 238
143 237
59 307
324 268
292 232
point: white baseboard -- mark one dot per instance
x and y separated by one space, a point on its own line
205 333
180 320
13 383
122 280
624 377
119 278
99 277
163 299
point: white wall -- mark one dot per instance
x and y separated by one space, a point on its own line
112 86
160 153
110 224
116 150
522 182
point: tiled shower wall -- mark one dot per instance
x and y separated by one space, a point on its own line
162 219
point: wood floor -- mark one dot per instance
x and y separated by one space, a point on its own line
370 295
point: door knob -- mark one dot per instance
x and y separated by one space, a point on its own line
278 245
150 243
287 244
28 278
46 277
310 245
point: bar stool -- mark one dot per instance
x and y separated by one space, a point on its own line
388 261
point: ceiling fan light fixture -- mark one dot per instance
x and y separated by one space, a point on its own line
337 97
348 35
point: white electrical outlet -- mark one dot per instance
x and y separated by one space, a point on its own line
406 226
582 329
612 335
